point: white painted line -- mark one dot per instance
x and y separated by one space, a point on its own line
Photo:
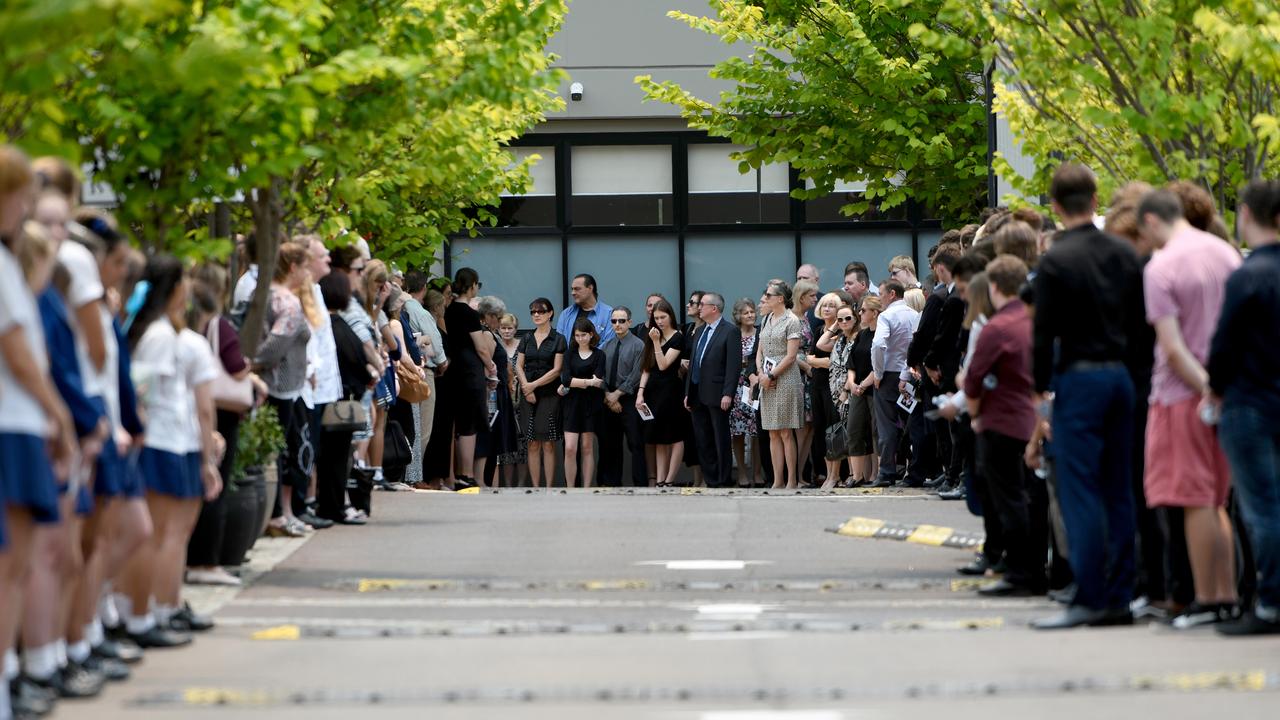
705 564
959 602
756 635
773 715
734 610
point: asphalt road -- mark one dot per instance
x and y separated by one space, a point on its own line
697 607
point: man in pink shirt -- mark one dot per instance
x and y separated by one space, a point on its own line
1184 285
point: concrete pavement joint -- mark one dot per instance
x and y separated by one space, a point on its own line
1249 681
266 554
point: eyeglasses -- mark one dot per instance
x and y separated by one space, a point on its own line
538 311
619 321
707 304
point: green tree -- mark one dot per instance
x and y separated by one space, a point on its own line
847 90
1135 88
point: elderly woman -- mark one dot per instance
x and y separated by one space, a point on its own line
825 331
781 384
499 439
839 343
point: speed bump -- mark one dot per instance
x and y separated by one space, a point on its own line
934 535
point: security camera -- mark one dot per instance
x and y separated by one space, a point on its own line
575 92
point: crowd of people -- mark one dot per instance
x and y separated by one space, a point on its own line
1094 387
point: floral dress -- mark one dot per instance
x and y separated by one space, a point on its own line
742 416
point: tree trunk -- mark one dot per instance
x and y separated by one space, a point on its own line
266 210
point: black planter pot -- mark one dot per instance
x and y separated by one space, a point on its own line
243 507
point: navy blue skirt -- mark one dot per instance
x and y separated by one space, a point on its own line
132 484
170 474
84 499
26 476
108 480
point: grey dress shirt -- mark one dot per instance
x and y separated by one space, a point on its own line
424 323
631 349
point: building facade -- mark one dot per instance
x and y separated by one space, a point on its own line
626 192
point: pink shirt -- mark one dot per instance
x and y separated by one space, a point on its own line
1186 279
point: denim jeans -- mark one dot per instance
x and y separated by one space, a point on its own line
1251 441
1092 438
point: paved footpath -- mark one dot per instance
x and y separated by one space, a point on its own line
672 607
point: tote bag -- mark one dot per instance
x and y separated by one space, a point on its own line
228 393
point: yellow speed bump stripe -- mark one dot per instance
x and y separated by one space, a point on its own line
615 585
280 632
934 535
468 491
384 584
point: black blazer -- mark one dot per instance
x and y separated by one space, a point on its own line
945 350
721 364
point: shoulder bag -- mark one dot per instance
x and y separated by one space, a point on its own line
229 394
413 388
344 416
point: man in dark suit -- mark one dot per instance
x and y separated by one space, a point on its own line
714 364
924 437
942 359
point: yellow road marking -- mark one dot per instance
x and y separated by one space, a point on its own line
384 584
469 491
860 527
280 632
969 584
615 585
930 535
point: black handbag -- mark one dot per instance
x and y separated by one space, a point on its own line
396 454
837 438
360 489
344 416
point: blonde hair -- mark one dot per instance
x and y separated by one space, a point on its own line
316 314
802 288
978 296
833 298
375 273
902 262
915 299
509 318
15 170
35 248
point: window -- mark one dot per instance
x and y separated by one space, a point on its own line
719 194
516 270
628 268
536 208
827 209
620 185
736 264
831 251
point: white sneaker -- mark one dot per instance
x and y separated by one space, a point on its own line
216 576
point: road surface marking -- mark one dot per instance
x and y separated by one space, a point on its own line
988 623
705 564
773 715
279 632
736 610
934 535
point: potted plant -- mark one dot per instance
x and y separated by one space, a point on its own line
252 487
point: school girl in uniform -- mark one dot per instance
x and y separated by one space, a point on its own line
36 431
178 458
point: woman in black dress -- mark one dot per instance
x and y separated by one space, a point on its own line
582 385
500 437
437 458
862 455
538 366
662 390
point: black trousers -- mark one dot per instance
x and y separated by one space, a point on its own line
715 449
401 412
204 549
1021 500
613 429
332 469
888 424
293 465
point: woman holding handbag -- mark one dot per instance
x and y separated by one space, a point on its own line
411 386
839 341
344 417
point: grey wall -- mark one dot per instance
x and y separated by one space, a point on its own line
605 44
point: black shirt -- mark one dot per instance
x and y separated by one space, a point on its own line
860 356
463 360
1244 357
351 358
1088 295
541 359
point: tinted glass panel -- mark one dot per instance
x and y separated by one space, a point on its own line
627 268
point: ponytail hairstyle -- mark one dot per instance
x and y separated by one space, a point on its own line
150 298
781 288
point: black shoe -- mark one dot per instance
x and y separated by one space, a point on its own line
186 620
882 482
953 492
30 699
1004 588
1249 624
123 650
463 482
318 523
73 682
158 637
110 668
936 482
116 632
977 567
909 484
